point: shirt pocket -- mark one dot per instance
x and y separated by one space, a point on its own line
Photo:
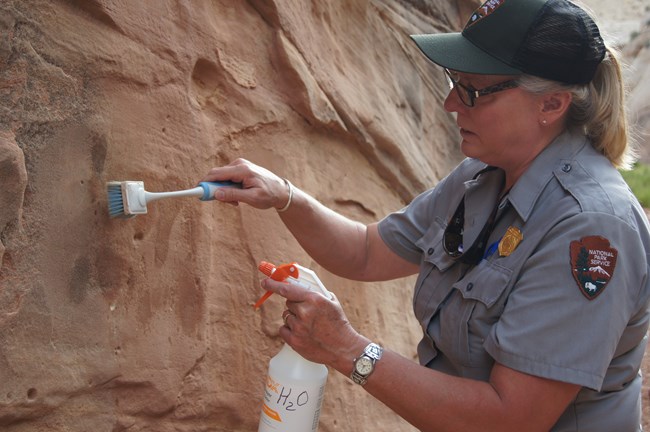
473 308
435 262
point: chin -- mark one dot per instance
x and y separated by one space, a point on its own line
474 151
469 149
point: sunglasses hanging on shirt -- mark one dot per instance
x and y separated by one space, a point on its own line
452 240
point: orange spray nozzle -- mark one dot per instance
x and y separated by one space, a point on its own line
278 273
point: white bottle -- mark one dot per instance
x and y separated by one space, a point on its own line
294 388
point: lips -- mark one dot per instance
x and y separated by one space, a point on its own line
466 132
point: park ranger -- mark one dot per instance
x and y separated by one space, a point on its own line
532 255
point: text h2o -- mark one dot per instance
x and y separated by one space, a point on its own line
292 405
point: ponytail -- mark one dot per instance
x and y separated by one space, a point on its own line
597 109
603 113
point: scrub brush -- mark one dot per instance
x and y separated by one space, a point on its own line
127 199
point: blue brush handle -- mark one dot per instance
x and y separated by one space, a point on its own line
209 188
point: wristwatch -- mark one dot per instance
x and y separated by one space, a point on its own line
364 365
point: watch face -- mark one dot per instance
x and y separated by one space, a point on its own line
364 366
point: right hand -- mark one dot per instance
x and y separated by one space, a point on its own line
260 187
316 327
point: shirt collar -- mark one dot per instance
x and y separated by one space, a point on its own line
525 193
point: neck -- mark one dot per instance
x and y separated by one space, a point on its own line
513 173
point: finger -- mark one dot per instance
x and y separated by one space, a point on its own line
230 195
289 291
285 316
285 334
311 299
297 309
249 193
232 172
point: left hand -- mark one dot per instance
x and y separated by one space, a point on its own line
316 327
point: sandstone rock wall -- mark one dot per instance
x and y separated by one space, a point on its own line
146 324
637 56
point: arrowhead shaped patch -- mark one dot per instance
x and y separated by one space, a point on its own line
592 263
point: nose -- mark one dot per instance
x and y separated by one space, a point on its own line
453 102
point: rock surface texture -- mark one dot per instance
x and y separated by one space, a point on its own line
637 56
146 324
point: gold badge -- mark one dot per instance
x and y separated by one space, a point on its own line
510 241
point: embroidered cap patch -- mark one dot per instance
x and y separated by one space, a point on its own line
486 9
592 264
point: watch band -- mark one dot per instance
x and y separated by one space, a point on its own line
370 356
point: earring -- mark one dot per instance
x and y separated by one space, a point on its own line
544 122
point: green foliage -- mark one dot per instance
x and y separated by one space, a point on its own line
639 180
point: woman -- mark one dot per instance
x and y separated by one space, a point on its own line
532 254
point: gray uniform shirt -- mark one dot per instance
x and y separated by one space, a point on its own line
569 303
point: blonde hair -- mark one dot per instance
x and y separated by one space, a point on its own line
597 109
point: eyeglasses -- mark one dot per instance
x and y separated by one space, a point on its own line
468 95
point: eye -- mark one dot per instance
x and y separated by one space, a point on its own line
455 80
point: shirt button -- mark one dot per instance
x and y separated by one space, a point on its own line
566 167
469 286
430 251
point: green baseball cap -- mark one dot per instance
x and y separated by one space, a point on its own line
552 39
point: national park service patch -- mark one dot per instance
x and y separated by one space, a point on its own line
592 264
484 10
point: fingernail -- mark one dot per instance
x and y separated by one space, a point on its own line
219 194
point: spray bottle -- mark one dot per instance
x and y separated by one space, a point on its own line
294 388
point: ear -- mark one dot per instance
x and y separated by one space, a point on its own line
554 106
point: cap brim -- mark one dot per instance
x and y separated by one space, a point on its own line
453 51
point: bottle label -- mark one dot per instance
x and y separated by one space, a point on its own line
291 406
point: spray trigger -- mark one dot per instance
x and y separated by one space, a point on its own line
278 273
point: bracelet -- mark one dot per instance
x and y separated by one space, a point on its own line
290 187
